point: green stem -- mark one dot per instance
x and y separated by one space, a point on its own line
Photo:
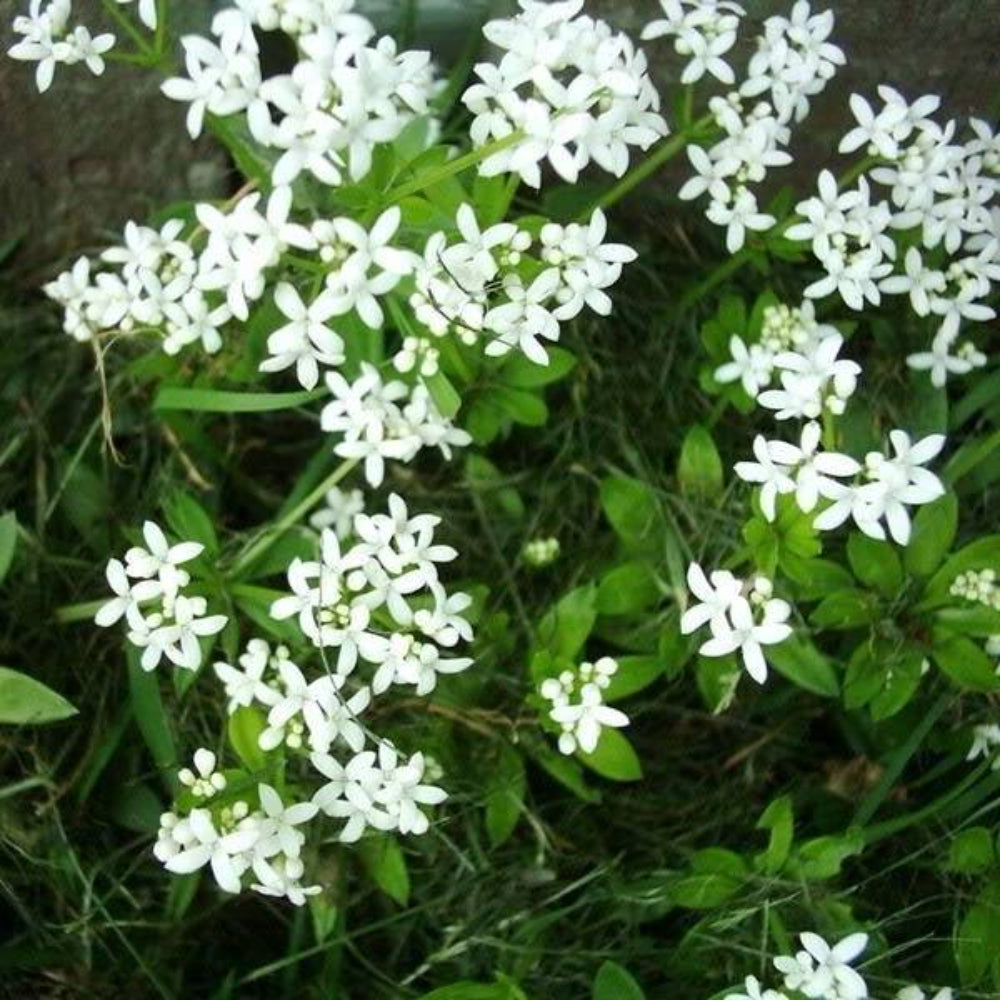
126 25
259 545
452 167
664 151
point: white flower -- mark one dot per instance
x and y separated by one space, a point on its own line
147 12
738 215
339 512
941 362
752 366
754 991
715 595
583 720
223 852
279 829
524 318
161 559
916 993
402 791
306 341
128 597
985 738
245 686
773 476
349 793
822 971
204 781
741 632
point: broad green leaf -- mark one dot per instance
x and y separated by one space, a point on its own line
444 394
175 397
844 609
8 542
383 859
703 891
815 578
875 563
627 589
803 664
615 983
613 757
190 521
934 530
522 405
27 702
965 662
699 468
476 991
566 770
504 795
522 373
717 678
977 937
972 851
632 509
779 819
823 857
565 627
633 675
244 728
138 808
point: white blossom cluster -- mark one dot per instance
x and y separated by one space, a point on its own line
385 420
979 586
882 489
578 707
338 512
824 972
741 615
804 355
541 552
576 90
157 281
346 94
793 62
939 192
49 39
162 619
476 287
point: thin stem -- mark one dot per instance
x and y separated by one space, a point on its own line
258 546
666 150
452 167
126 25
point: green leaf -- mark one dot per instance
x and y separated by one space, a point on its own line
444 394
175 397
522 373
844 609
815 578
138 808
504 795
383 859
476 991
803 664
779 819
522 405
613 757
703 891
244 728
27 702
565 627
977 937
632 509
615 983
566 771
965 663
147 708
699 469
190 521
627 589
934 530
972 851
983 553
634 674
823 857
8 542
875 563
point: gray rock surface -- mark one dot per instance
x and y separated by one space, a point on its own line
81 159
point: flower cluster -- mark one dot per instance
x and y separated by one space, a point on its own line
793 62
804 353
162 619
49 39
380 420
540 552
819 970
338 512
938 191
979 586
741 615
880 490
478 288
568 90
344 96
578 707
